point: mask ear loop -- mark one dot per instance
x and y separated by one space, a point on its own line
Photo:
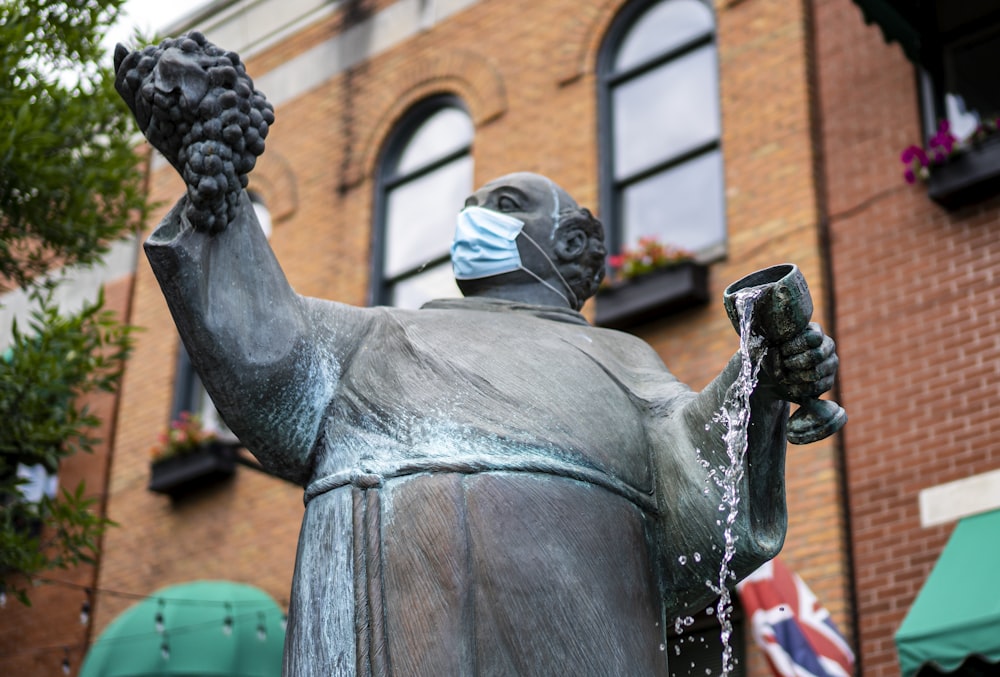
575 302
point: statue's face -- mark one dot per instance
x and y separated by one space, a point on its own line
533 199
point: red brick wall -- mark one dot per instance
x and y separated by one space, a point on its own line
917 312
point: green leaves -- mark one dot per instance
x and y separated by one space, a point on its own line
48 367
70 185
70 180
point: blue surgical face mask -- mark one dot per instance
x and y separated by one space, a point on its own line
486 244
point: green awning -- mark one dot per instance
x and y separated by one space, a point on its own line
203 629
957 613
899 21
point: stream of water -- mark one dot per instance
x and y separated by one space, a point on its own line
734 417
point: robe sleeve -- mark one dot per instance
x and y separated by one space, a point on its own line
269 358
689 532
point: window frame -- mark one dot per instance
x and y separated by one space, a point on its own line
974 174
387 180
611 189
931 75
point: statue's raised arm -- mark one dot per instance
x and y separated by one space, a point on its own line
249 335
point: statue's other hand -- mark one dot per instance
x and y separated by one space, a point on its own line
805 366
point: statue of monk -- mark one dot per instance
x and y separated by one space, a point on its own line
493 486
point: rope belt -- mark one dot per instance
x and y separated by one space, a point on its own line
371 477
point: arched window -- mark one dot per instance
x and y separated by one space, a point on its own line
661 161
424 177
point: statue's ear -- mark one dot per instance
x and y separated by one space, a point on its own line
570 244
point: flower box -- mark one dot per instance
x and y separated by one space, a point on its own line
210 463
648 297
968 177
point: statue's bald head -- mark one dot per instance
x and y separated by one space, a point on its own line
547 197
570 236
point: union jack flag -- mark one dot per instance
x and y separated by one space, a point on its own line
791 626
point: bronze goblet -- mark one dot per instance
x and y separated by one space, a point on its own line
783 309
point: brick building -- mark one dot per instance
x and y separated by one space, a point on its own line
914 274
359 89
789 129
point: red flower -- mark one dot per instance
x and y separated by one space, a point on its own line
649 255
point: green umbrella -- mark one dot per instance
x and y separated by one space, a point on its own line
203 629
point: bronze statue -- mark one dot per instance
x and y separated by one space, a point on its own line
493 485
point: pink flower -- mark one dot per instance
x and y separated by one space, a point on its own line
914 153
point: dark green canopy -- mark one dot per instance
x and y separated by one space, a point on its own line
957 613
196 637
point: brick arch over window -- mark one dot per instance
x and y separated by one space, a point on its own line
585 33
275 181
467 75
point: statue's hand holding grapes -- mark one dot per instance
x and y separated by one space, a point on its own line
196 104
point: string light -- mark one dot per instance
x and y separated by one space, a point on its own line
261 630
159 617
85 609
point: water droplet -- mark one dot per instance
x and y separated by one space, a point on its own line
709 611
677 651
663 647
697 557
708 426
689 621
683 560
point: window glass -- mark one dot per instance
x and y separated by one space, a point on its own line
666 26
971 96
445 132
262 212
420 215
681 206
665 112
425 176
436 282
661 173
190 396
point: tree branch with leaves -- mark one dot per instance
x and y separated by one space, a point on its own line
71 184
